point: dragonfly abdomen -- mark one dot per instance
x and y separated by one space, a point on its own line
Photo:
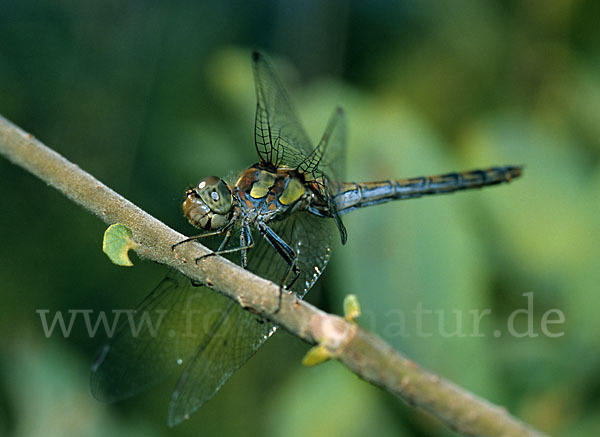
352 195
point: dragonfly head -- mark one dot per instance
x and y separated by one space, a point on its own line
209 205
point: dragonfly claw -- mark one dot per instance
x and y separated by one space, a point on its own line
204 256
178 244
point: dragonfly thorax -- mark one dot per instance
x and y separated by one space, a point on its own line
271 194
209 205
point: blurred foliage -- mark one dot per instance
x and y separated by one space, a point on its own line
151 96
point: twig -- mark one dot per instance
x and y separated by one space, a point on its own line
364 353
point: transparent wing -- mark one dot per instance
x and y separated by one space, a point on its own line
328 162
311 238
329 157
281 142
163 335
179 326
279 138
232 341
239 334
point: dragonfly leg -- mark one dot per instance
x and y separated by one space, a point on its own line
249 244
225 228
288 254
245 240
284 286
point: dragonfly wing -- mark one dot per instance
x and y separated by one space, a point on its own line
179 326
309 236
161 336
232 341
328 162
329 157
121 368
239 334
332 167
279 138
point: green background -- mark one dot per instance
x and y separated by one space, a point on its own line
151 96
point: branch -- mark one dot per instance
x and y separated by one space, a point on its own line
362 352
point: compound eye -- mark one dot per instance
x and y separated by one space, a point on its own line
207 182
216 194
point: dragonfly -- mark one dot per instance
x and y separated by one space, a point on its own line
279 219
